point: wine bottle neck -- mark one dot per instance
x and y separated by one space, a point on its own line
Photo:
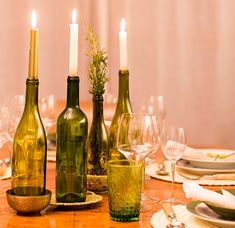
123 90
98 107
31 93
73 91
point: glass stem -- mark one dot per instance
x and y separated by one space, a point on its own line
173 179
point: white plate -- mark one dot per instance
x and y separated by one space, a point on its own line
91 198
187 166
159 220
7 174
199 158
201 211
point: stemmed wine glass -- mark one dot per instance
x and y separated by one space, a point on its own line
136 138
47 111
10 112
173 143
155 106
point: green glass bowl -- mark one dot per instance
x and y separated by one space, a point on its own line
222 211
28 204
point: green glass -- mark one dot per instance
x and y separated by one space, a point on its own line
124 188
71 153
123 106
29 148
98 142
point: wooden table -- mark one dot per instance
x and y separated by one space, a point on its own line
96 215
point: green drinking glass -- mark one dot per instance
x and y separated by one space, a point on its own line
124 188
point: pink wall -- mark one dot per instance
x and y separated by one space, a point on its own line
181 49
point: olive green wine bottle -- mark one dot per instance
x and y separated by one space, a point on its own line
29 148
123 106
71 153
98 142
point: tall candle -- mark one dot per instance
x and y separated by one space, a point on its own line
73 47
123 45
33 51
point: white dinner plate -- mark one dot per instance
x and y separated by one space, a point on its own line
187 166
201 211
199 158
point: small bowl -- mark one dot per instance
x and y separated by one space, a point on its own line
97 183
226 213
28 204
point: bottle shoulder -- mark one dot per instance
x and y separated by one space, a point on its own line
73 114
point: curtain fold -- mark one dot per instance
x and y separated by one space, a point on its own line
181 49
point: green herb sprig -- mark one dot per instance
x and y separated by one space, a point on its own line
97 68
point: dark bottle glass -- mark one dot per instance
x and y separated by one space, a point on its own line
71 154
29 148
98 142
123 106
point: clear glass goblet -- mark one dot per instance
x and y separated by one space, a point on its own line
173 144
137 139
47 111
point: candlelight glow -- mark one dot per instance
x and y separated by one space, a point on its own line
123 25
74 16
34 19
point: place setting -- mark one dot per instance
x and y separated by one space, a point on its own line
206 166
208 208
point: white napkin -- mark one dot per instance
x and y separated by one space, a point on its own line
196 192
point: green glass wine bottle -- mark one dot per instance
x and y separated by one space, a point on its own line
29 148
29 144
123 106
71 154
98 142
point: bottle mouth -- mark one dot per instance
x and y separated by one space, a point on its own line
32 81
73 78
97 98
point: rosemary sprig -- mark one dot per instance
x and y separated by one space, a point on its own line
97 68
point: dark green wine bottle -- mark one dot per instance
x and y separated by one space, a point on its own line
123 106
71 154
29 148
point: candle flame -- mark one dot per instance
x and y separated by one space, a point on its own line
34 19
74 16
123 25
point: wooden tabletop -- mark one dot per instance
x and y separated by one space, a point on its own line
96 215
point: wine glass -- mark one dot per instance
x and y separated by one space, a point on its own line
173 143
136 139
156 106
47 111
10 112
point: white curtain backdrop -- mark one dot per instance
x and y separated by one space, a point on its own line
181 49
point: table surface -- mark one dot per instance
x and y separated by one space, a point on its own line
96 215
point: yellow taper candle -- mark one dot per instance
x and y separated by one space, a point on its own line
73 46
33 52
